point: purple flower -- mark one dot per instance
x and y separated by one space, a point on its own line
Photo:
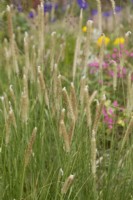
94 12
20 9
118 9
82 4
107 14
31 14
48 7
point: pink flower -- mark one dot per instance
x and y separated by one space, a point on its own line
100 82
105 112
115 103
122 72
105 65
131 54
114 55
110 126
110 111
108 117
111 73
115 50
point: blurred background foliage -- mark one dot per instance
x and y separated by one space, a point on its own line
24 7
33 3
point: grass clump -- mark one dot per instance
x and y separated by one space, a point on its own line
66 113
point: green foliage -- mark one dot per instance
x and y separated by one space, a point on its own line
49 166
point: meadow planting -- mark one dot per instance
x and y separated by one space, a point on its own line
66 100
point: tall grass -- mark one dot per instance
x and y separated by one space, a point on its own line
54 143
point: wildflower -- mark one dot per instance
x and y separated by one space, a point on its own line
102 39
20 9
84 29
48 6
118 9
107 13
119 41
31 14
108 114
115 103
121 122
107 103
94 12
121 72
82 4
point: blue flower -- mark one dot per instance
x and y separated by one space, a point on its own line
107 13
82 4
94 12
20 9
48 7
31 14
118 9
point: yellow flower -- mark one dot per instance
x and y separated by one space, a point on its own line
102 39
107 103
121 122
84 29
119 40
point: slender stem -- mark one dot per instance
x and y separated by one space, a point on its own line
22 183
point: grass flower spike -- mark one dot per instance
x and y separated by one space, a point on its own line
67 184
58 60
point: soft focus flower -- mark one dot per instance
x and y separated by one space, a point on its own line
118 9
82 4
107 13
48 6
84 29
119 41
121 122
31 14
102 39
108 114
20 9
107 103
115 104
121 72
94 66
94 12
